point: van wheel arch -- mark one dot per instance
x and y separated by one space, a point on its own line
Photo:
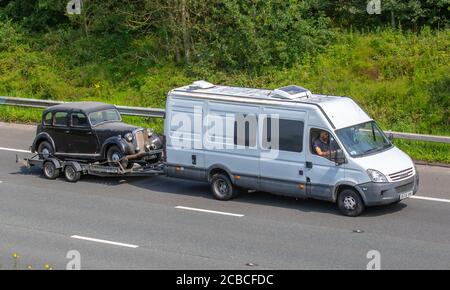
344 186
219 170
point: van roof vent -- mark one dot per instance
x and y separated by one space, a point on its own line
201 85
291 93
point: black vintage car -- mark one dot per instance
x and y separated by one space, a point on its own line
94 132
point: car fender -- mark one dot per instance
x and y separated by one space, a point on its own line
43 136
117 141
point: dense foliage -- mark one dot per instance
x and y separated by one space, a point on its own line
131 52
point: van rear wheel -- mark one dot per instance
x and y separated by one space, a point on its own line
350 203
222 188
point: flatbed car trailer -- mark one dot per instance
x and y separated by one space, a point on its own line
73 169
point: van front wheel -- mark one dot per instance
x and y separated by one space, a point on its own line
222 188
350 203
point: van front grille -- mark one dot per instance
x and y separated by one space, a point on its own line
400 175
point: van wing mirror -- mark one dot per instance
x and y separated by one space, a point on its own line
339 157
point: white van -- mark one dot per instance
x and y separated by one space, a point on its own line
286 141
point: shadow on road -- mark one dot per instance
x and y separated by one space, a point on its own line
174 186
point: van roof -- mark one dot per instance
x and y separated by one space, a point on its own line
341 112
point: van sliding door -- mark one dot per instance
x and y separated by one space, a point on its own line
282 156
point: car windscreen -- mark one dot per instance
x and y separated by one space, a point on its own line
363 139
99 117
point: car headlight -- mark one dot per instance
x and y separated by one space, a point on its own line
128 137
376 176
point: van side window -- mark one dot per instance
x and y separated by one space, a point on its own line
60 119
48 118
290 135
246 134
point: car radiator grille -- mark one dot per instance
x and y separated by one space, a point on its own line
140 140
405 188
397 176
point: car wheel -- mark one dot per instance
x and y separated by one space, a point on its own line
350 203
114 155
222 188
71 174
50 170
45 150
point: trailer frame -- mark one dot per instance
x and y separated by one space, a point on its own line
73 169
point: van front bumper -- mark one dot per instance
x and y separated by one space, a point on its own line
374 193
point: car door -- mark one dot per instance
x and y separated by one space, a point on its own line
60 132
282 169
82 140
322 173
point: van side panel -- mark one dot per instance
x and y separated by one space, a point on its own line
220 138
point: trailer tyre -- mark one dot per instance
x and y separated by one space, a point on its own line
71 174
222 188
50 170
45 150
350 203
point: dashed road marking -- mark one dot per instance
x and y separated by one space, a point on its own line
209 211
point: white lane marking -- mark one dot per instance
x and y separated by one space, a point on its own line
209 211
430 198
15 150
104 242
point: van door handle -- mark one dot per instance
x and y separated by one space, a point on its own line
308 164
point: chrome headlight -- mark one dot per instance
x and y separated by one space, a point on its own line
129 137
376 176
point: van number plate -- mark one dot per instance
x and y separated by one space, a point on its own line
405 195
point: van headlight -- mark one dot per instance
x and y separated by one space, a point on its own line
128 137
376 176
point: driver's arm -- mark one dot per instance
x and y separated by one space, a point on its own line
320 152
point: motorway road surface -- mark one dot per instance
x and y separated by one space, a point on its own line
148 223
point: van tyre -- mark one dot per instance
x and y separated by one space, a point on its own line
71 173
50 170
222 188
350 203
45 150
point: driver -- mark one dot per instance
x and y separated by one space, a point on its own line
321 145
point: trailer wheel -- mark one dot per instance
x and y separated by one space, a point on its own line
222 188
71 174
50 170
350 203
